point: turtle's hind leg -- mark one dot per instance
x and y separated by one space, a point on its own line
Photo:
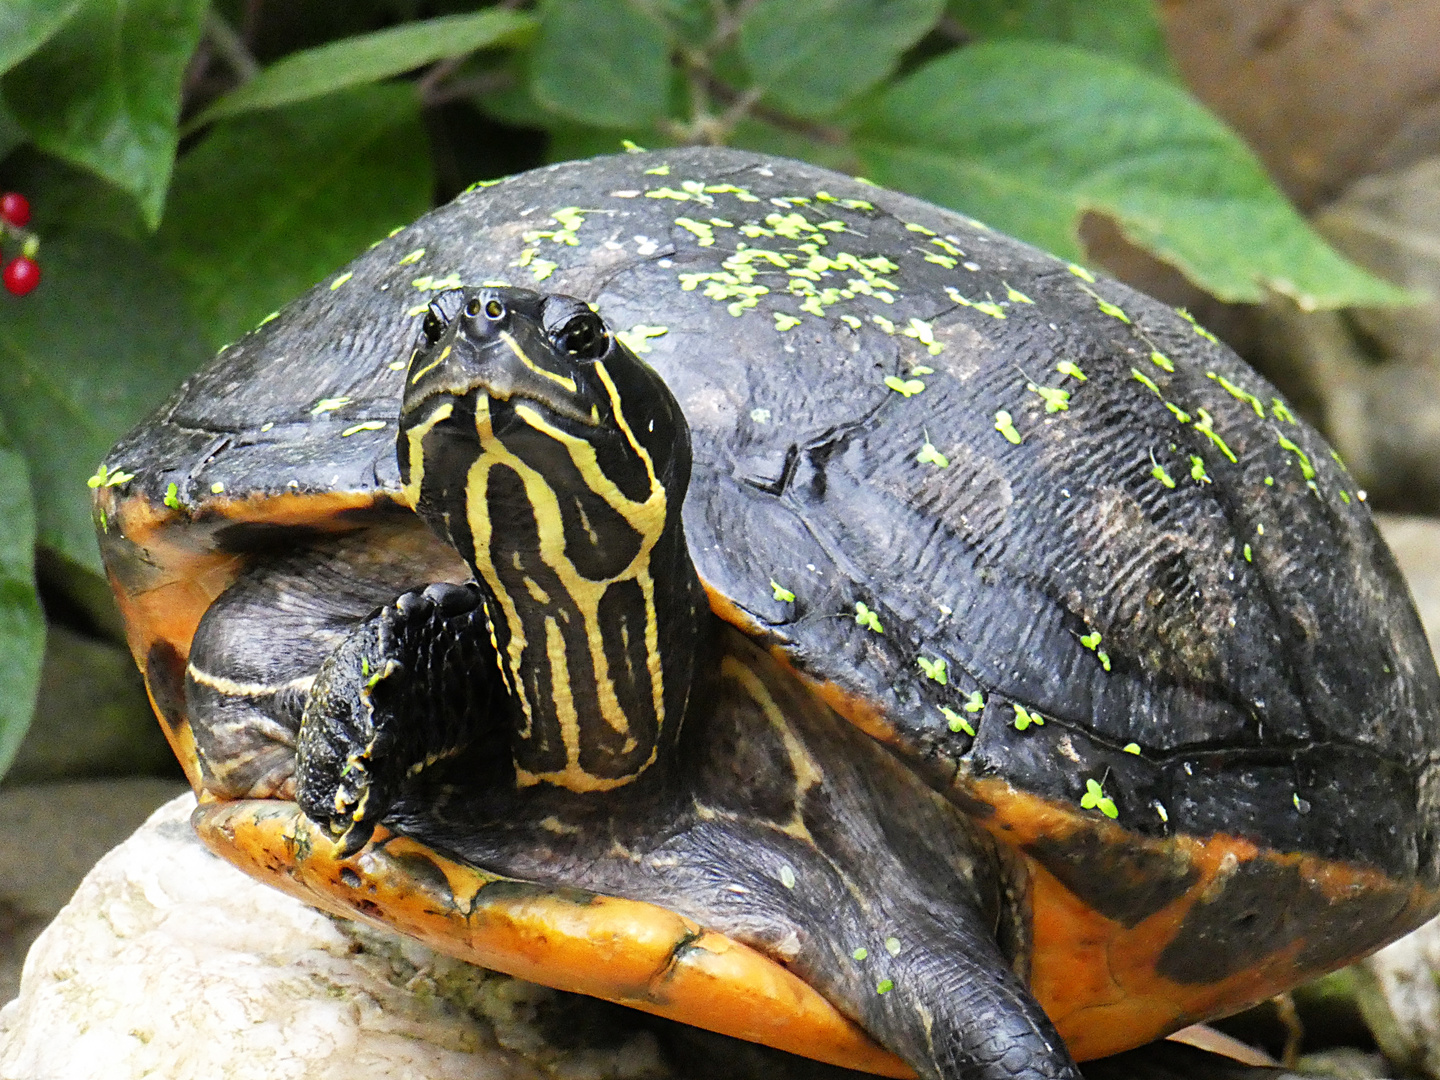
257 651
874 888
781 825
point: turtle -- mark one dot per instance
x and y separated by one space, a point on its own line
733 589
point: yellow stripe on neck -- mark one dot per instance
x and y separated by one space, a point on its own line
414 442
647 518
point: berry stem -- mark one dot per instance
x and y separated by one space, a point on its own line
21 274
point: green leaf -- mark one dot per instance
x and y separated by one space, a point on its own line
369 58
268 204
514 103
753 134
602 62
811 58
1125 29
86 356
1029 136
571 142
22 624
25 25
104 92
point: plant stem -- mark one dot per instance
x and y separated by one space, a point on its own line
231 48
485 83
430 83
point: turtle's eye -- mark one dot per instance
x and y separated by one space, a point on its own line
473 308
432 327
495 309
583 337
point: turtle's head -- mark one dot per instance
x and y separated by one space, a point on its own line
555 462
542 378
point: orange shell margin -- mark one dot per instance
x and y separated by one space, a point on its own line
625 951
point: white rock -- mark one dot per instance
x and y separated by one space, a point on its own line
170 963
1399 987
73 823
1416 544
1398 996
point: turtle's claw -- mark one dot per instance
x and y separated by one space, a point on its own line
349 839
344 781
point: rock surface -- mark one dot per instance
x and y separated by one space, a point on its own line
1371 377
1325 91
50 836
1415 542
168 962
1399 994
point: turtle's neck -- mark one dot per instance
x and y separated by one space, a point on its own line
594 605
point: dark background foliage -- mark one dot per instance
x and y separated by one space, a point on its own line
194 165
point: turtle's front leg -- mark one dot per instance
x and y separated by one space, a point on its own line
400 693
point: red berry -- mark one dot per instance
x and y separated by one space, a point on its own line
14 208
21 275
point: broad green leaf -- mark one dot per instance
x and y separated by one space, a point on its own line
104 92
570 142
91 713
85 357
1028 136
268 204
753 134
1125 29
516 106
25 25
602 62
369 58
811 58
512 99
22 624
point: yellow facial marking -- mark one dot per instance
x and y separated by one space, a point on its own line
445 352
619 411
566 382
